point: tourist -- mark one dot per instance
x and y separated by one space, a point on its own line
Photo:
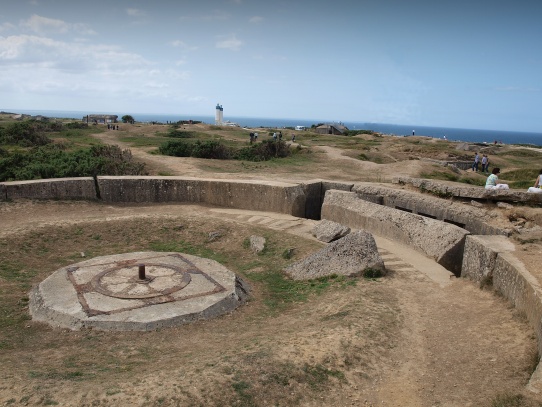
476 161
485 163
537 188
493 180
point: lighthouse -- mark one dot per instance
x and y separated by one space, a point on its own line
219 114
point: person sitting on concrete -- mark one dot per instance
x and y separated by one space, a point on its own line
493 180
537 188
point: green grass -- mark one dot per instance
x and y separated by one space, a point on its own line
77 138
143 141
281 291
188 248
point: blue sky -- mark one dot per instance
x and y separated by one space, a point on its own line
466 64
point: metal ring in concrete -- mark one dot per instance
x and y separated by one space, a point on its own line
136 291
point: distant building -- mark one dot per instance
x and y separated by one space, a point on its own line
219 114
336 129
100 118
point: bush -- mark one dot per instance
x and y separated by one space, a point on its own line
27 134
76 125
180 134
210 149
214 149
176 148
53 162
263 151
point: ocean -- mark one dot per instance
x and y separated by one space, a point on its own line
452 134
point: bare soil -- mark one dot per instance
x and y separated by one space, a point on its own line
403 340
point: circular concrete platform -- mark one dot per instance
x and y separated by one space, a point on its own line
139 291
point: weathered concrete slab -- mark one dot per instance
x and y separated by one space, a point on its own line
268 196
107 292
54 188
470 218
328 231
441 241
444 188
349 256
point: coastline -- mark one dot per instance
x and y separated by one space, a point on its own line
448 133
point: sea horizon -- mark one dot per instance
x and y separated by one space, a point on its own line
448 133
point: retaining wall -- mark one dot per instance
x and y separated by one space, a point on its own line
269 196
55 188
440 241
443 188
467 217
488 260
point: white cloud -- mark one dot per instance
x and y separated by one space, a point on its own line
183 45
6 27
42 25
45 25
231 43
134 12
51 72
255 19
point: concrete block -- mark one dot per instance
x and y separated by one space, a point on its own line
467 191
268 196
349 256
470 218
440 241
480 256
54 188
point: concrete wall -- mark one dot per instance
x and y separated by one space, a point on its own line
467 217
441 241
443 188
58 188
254 195
488 260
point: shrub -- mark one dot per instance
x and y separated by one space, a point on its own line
53 162
176 148
76 125
26 134
263 151
173 132
210 149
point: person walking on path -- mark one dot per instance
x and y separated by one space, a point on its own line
476 161
537 188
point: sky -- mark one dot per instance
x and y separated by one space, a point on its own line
461 63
